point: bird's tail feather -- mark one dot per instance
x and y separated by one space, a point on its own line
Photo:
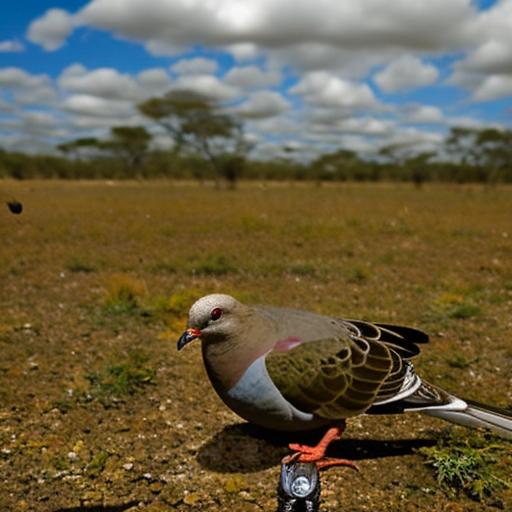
477 415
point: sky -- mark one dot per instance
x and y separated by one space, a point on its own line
306 76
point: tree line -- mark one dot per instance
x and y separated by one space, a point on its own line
206 143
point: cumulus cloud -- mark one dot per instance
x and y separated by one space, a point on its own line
486 71
26 87
16 77
326 90
51 30
327 50
102 82
423 114
12 45
206 85
251 77
263 104
493 87
154 81
94 106
195 66
255 27
406 72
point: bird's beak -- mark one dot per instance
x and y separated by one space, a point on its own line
189 335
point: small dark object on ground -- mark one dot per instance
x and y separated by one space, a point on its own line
15 207
298 488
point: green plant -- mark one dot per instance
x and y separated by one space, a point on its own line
459 361
123 294
468 464
97 463
214 265
356 275
117 380
455 306
76 264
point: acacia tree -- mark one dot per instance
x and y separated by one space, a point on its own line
196 125
489 150
79 148
130 143
127 143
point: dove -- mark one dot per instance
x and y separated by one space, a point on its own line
293 370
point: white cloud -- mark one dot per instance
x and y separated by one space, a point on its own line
406 72
101 82
13 46
492 87
154 81
328 49
251 77
243 51
263 104
364 32
423 114
195 66
486 71
94 106
326 90
16 77
27 88
52 29
206 85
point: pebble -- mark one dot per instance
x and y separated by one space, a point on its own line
128 466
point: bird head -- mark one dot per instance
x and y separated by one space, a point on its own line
213 318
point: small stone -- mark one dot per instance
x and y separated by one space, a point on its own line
92 497
247 496
128 466
147 476
192 498
72 455
156 487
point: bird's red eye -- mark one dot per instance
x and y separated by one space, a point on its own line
216 313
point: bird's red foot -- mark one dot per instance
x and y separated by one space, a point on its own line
316 453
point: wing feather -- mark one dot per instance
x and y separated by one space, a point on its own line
334 378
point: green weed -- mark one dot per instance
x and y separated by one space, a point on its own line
97 463
455 306
123 294
213 265
356 275
460 362
121 379
473 465
76 264
303 269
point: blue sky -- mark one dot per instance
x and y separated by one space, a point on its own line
315 76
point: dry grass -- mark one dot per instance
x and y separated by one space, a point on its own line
91 273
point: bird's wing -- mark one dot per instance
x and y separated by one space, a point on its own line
402 340
337 377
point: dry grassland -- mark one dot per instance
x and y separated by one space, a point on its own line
98 412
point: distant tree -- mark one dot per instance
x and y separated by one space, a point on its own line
129 143
197 125
79 148
419 167
488 149
338 165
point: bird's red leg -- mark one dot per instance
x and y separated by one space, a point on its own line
316 453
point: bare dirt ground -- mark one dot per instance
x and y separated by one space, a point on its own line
100 413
